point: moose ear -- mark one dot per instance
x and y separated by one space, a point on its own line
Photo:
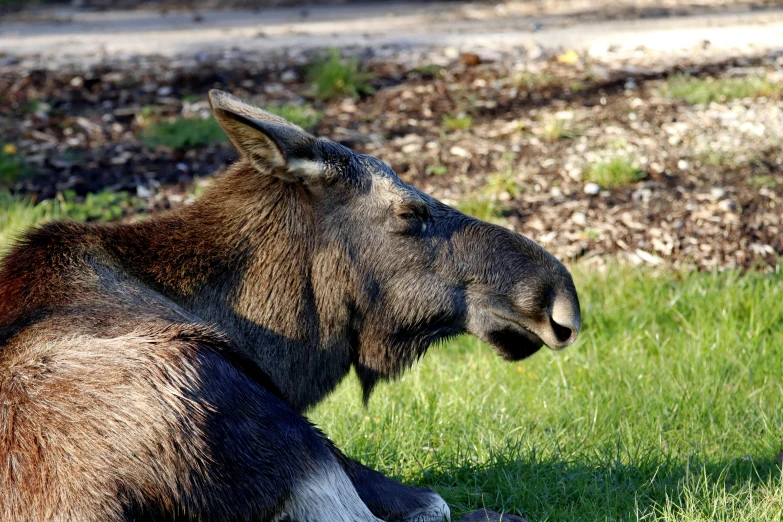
271 144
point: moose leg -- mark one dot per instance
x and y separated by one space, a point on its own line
389 500
262 449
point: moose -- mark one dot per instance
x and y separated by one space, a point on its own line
160 370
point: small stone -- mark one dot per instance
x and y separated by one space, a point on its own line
727 205
592 189
77 81
533 50
164 91
143 192
288 76
643 194
682 164
456 150
579 219
451 52
470 59
717 192
575 173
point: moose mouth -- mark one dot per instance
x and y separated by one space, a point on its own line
512 340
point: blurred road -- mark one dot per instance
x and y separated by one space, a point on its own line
737 30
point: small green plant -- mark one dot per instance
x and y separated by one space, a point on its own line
555 129
150 112
183 133
303 115
37 107
100 206
436 170
11 166
483 207
530 80
764 180
717 158
428 71
335 76
458 122
615 172
699 91
501 182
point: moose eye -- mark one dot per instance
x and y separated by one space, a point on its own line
414 212
414 218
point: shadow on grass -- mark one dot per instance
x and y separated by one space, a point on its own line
609 488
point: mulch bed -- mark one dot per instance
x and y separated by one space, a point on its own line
710 193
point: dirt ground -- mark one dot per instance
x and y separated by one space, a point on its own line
709 188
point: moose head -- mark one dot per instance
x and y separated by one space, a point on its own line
386 266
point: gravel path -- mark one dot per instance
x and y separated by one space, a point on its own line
607 30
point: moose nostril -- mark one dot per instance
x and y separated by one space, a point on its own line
562 333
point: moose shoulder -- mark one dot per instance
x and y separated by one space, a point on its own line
160 368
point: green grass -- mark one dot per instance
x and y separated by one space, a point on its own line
428 71
763 180
483 207
699 91
667 409
503 182
303 115
335 76
458 122
436 170
616 172
554 129
183 133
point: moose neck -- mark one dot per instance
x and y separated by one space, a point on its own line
245 256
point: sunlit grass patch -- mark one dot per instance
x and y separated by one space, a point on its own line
457 122
335 76
554 129
763 180
698 91
617 171
183 133
484 207
19 214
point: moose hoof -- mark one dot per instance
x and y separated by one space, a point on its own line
437 511
485 515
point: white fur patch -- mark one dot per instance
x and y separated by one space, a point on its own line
306 168
325 495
